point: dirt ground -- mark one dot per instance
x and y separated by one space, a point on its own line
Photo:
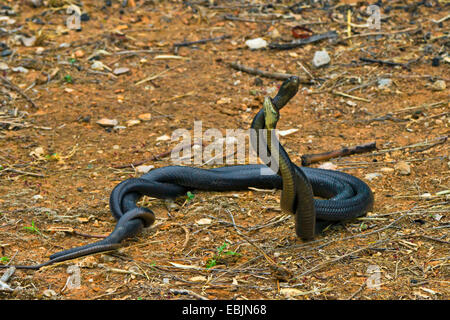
58 165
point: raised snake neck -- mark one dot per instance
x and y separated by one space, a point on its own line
297 197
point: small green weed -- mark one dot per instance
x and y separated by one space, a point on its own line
190 196
33 228
220 253
68 78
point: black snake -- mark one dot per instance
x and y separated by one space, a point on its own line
345 196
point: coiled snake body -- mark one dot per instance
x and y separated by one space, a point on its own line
346 196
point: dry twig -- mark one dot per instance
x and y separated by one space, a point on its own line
266 74
8 84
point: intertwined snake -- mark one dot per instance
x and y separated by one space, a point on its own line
346 196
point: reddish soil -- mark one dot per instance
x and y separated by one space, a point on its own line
68 185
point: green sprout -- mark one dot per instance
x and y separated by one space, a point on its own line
54 156
363 226
190 196
33 228
220 252
4 259
68 78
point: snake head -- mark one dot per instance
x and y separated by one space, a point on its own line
287 90
271 113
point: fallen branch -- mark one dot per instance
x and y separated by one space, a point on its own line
301 42
390 63
342 94
234 18
153 77
266 74
32 174
308 159
388 116
441 140
202 41
425 144
380 33
6 83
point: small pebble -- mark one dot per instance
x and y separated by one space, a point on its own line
351 103
163 138
328 166
145 117
287 132
107 122
20 69
133 122
290 292
387 170
198 279
426 195
274 34
257 43
371 176
321 58
384 83
28 42
223 100
435 62
6 52
79 53
144 168
122 70
439 85
203 221
49 293
171 205
99 66
84 17
35 3
403 168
